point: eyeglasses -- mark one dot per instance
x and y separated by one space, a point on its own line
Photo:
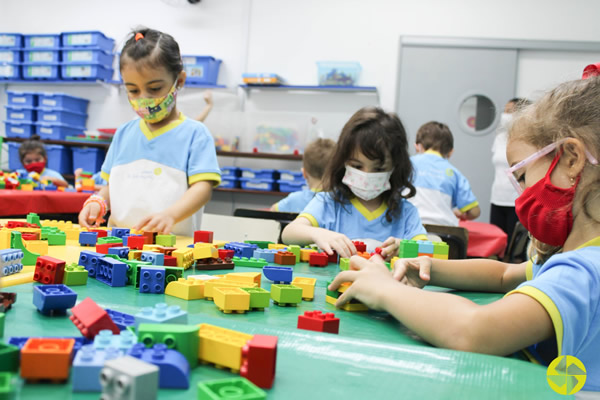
535 156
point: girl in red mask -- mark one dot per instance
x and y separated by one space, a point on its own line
33 156
552 305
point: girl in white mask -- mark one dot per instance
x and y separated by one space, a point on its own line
363 191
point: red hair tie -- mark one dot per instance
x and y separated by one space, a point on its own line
591 70
139 36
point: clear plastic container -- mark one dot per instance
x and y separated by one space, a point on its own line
338 73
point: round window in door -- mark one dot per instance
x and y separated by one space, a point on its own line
476 114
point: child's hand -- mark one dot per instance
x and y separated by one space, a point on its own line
459 214
89 216
207 95
413 271
160 222
389 248
329 241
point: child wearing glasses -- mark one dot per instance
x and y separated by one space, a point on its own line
552 303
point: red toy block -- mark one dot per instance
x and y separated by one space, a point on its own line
226 253
360 246
103 248
285 258
319 322
90 319
47 358
6 300
15 224
203 236
100 232
167 251
149 237
135 242
30 236
49 270
378 250
318 259
333 258
170 261
259 359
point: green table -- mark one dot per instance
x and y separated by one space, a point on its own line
373 357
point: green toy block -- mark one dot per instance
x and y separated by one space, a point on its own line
262 244
232 388
33 218
259 297
183 338
1 325
408 249
9 358
440 248
165 240
8 385
172 274
109 239
335 294
344 264
286 294
249 262
57 238
115 257
294 248
313 247
75 275
133 271
16 242
46 230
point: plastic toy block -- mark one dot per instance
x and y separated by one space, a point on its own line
110 239
245 277
5 238
185 257
57 239
153 258
360 246
46 358
285 258
15 224
259 359
166 240
149 237
2 318
122 342
27 236
174 369
53 299
101 232
8 386
284 295
122 252
16 242
135 242
440 248
11 261
186 289
6 300
319 322
333 258
87 364
278 274
203 236
249 262
37 246
49 270
167 250
90 319
121 320
223 282
226 253
119 232
222 389
266 254
161 313
408 249
295 249
170 261
88 238
183 338
152 247
222 347
219 243
344 264
259 298
172 274
241 249
152 279
134 254
305 254
307 285
9 357
133 273
364 255
231 299
204 250
112 272
33 218
128 378
47 230
425 247
211 264
276 246
72 233
102 248
318 260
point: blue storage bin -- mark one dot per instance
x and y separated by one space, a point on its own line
86 71
87 39
201 69
20 114
228 182
10 56
61 100
10 71
17 129
291 186
45 41
230 172
258 173
88 158
56 131
14 162
41 56
78 55
338 73
12 40
258 184
61 115
40 70
22 99
287 175
59 158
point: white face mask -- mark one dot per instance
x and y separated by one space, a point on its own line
366 185
505 120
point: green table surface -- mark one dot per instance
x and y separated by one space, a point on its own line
372 357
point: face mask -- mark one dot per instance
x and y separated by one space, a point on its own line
154 110
366 185
505 119
546 210
36 167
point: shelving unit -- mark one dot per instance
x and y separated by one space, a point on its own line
262 192
63 142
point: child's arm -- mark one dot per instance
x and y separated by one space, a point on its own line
301 232
209 105
56 181
471 214
192 200
273 207
447 320
89 214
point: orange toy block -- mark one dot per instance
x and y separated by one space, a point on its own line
46 358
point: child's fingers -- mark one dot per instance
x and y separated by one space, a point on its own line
142 224
344 276
345 297
357 263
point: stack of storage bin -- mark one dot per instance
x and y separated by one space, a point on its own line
258 179
229 177
87 55
291 181
10 56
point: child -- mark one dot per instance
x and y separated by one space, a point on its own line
443 193
364 181
33 156
208 99
160 168
553 306
315 159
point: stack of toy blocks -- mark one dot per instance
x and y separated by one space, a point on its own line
412 249
332 296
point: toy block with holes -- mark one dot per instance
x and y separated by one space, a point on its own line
166 240
333 258
211 264
305 254
135 242
278 274
241 249
111 272
210 285
245 277
11 261
440 250
121 320
102 248
364 255
149 237
220 389
133 271
319 322
174 370
332 296
87 364
277 246
119 232
128 378
34 219
231 299
172 274
123 341
16 242
204 250
266 254
262 244
259 298
249 262
184 256
286 295
90 319
294 249
186 289
161 313
122 252
259 359
318 259
344 264
152 279
183 338
360 246
49 270
37 246
223 253
425 248
170 261
57 238
222 347
285 258
46 358
134 254
307 285
153 258
203 236
53 299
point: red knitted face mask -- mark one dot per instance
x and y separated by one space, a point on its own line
36 167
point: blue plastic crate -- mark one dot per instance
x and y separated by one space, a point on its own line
20 114
291 186
56 131
258 184
201 69
78 55
16 129
59 158
14 162
228 182
48 56
45 41
258 173
87 39
88 158
61 100
61 115
11 40
10 71
41 70
86 71
10 56
287 175
230 172
22 99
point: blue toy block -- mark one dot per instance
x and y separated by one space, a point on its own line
53 299
241 249
121 320
11 261
278 274
174 368
160 313
90 260
122 342
425 247
88 238
267 254
112 272
87 364
20 341
119 232
153 257
122 252
152 279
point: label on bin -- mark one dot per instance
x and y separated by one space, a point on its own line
42 41
80 56
196 71
49 102
6 56
17 130
39 71
80 39
41 56
79 71
19 100
50 117
17 116
248 174
264 186
46 130
6 70
7 40
287 177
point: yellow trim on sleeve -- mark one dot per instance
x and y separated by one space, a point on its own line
435 153
369 216
420 236
154 134
104 175
529 270
313 220
550 308
469 206
205 176
276 206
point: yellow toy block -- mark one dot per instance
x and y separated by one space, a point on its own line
23 229
347 306
219 243
209 286
229 299
307 285
89 182
72 233
393 261
204 277
276 246
440 256
222 347
27 187
245 277
204 250
184 256
305 254
4 239
152 247
344 286
330 300
37 246
134 254
186 289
